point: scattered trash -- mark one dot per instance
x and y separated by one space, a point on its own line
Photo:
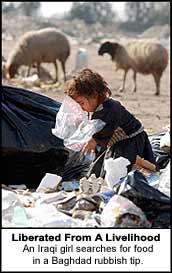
105 196
32 80
149 171
149 199
69 185
68 203
145 163
49 182
13 212
86 202
165 142
115 170
20 218
53 197
90 185
164 181
81 214
153 179
62 220
121 212
162 157
46 215
67 197
19 187
89 158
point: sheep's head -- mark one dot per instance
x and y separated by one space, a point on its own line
109 48
11 70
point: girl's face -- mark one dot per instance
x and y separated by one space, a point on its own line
87 104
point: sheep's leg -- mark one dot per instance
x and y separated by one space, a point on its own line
157 82
64 70
121 89
134 79
38 69
28 71
56 70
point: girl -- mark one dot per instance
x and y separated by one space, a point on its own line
123 134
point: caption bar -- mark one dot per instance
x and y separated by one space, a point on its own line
85 250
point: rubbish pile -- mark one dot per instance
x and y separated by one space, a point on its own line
50 187
135 202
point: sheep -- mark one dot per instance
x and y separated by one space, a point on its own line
35 47
144 57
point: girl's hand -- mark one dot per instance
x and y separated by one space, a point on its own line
90 146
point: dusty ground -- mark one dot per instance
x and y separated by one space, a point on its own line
153 111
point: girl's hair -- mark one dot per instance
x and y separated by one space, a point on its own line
86 83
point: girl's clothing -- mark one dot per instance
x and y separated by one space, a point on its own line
129 138
118 121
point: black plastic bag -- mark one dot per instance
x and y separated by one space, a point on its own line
162 158
154 203
29 149
27 119
27 167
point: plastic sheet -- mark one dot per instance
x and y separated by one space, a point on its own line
27 119
154 203
164 181
162 157
29 149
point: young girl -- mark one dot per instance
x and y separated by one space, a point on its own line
122 132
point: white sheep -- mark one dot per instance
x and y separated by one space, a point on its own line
36 47
144 57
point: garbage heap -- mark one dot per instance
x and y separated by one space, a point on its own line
38 192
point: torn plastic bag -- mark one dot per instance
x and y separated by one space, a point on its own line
75 167
73 126
154 203
71 114
29 149
162 157
115 170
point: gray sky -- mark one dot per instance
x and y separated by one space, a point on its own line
50 8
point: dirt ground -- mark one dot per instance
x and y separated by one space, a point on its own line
153 111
